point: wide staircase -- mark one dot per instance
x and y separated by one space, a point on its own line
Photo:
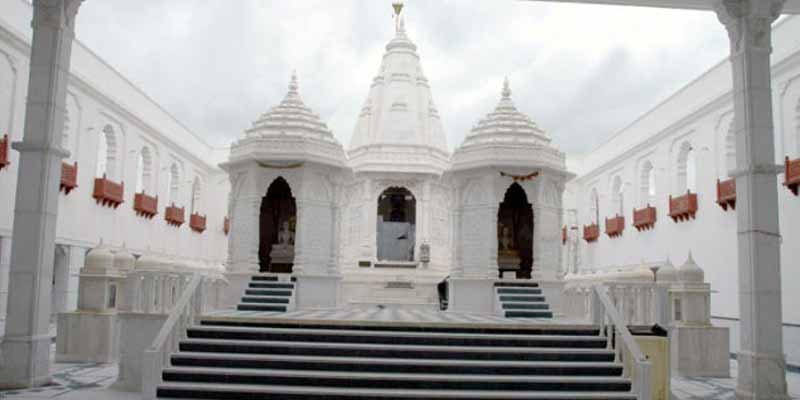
223 358
521 300
267 293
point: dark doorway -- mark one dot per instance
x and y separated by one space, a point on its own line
277 228
397 216
515 233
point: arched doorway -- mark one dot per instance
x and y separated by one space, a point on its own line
277 226
515 233
397 216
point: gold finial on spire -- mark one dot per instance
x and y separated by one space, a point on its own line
398 8
506 89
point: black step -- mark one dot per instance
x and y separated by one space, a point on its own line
395 381
362 364
422 339
260 307
266 292
271 285
525 306
400 327
274 300
394 351
522 298
529 314
265 278
260 392
528 291
517 284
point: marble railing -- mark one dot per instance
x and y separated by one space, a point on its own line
614 328
157 292
638 303
156 357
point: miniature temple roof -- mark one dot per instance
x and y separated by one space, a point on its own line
506 124
291 117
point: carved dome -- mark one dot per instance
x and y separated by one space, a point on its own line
507 137
289 132
293 118
506 124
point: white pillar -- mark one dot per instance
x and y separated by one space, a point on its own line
26 348
762 364
5 262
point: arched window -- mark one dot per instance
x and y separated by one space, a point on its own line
174 184
144 170
618 196
107 153
687 169
594 206
196 192
647 184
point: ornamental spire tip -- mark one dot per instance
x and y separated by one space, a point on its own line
293 83
506 89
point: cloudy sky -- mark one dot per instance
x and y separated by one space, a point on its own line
581 72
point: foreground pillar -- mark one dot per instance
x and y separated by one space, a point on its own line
762 365
26 347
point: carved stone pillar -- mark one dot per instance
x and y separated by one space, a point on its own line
762 364
26 348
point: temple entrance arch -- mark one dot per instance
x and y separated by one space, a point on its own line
515 233
277 226
396 227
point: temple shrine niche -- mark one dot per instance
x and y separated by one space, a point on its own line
277 228
515 233
396 228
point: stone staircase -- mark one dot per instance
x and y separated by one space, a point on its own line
268 293
521 300
295 359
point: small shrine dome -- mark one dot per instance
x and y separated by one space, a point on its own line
690 272
288 133
99 259
124 261
149 262
507 137
667 272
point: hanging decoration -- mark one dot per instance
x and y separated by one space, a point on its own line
278 166
520 178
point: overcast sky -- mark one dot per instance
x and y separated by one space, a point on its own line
581 72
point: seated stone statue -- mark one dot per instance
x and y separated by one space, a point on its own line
283 251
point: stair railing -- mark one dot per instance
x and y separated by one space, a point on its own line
619 338
157 356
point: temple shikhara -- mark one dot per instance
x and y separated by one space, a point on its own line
290 265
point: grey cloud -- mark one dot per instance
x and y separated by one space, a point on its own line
218 65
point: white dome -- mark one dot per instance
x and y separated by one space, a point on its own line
506 124
124 261
667 272
690 271
99 258
148 262
291 118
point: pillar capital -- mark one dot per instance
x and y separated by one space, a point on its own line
55 14
749 22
